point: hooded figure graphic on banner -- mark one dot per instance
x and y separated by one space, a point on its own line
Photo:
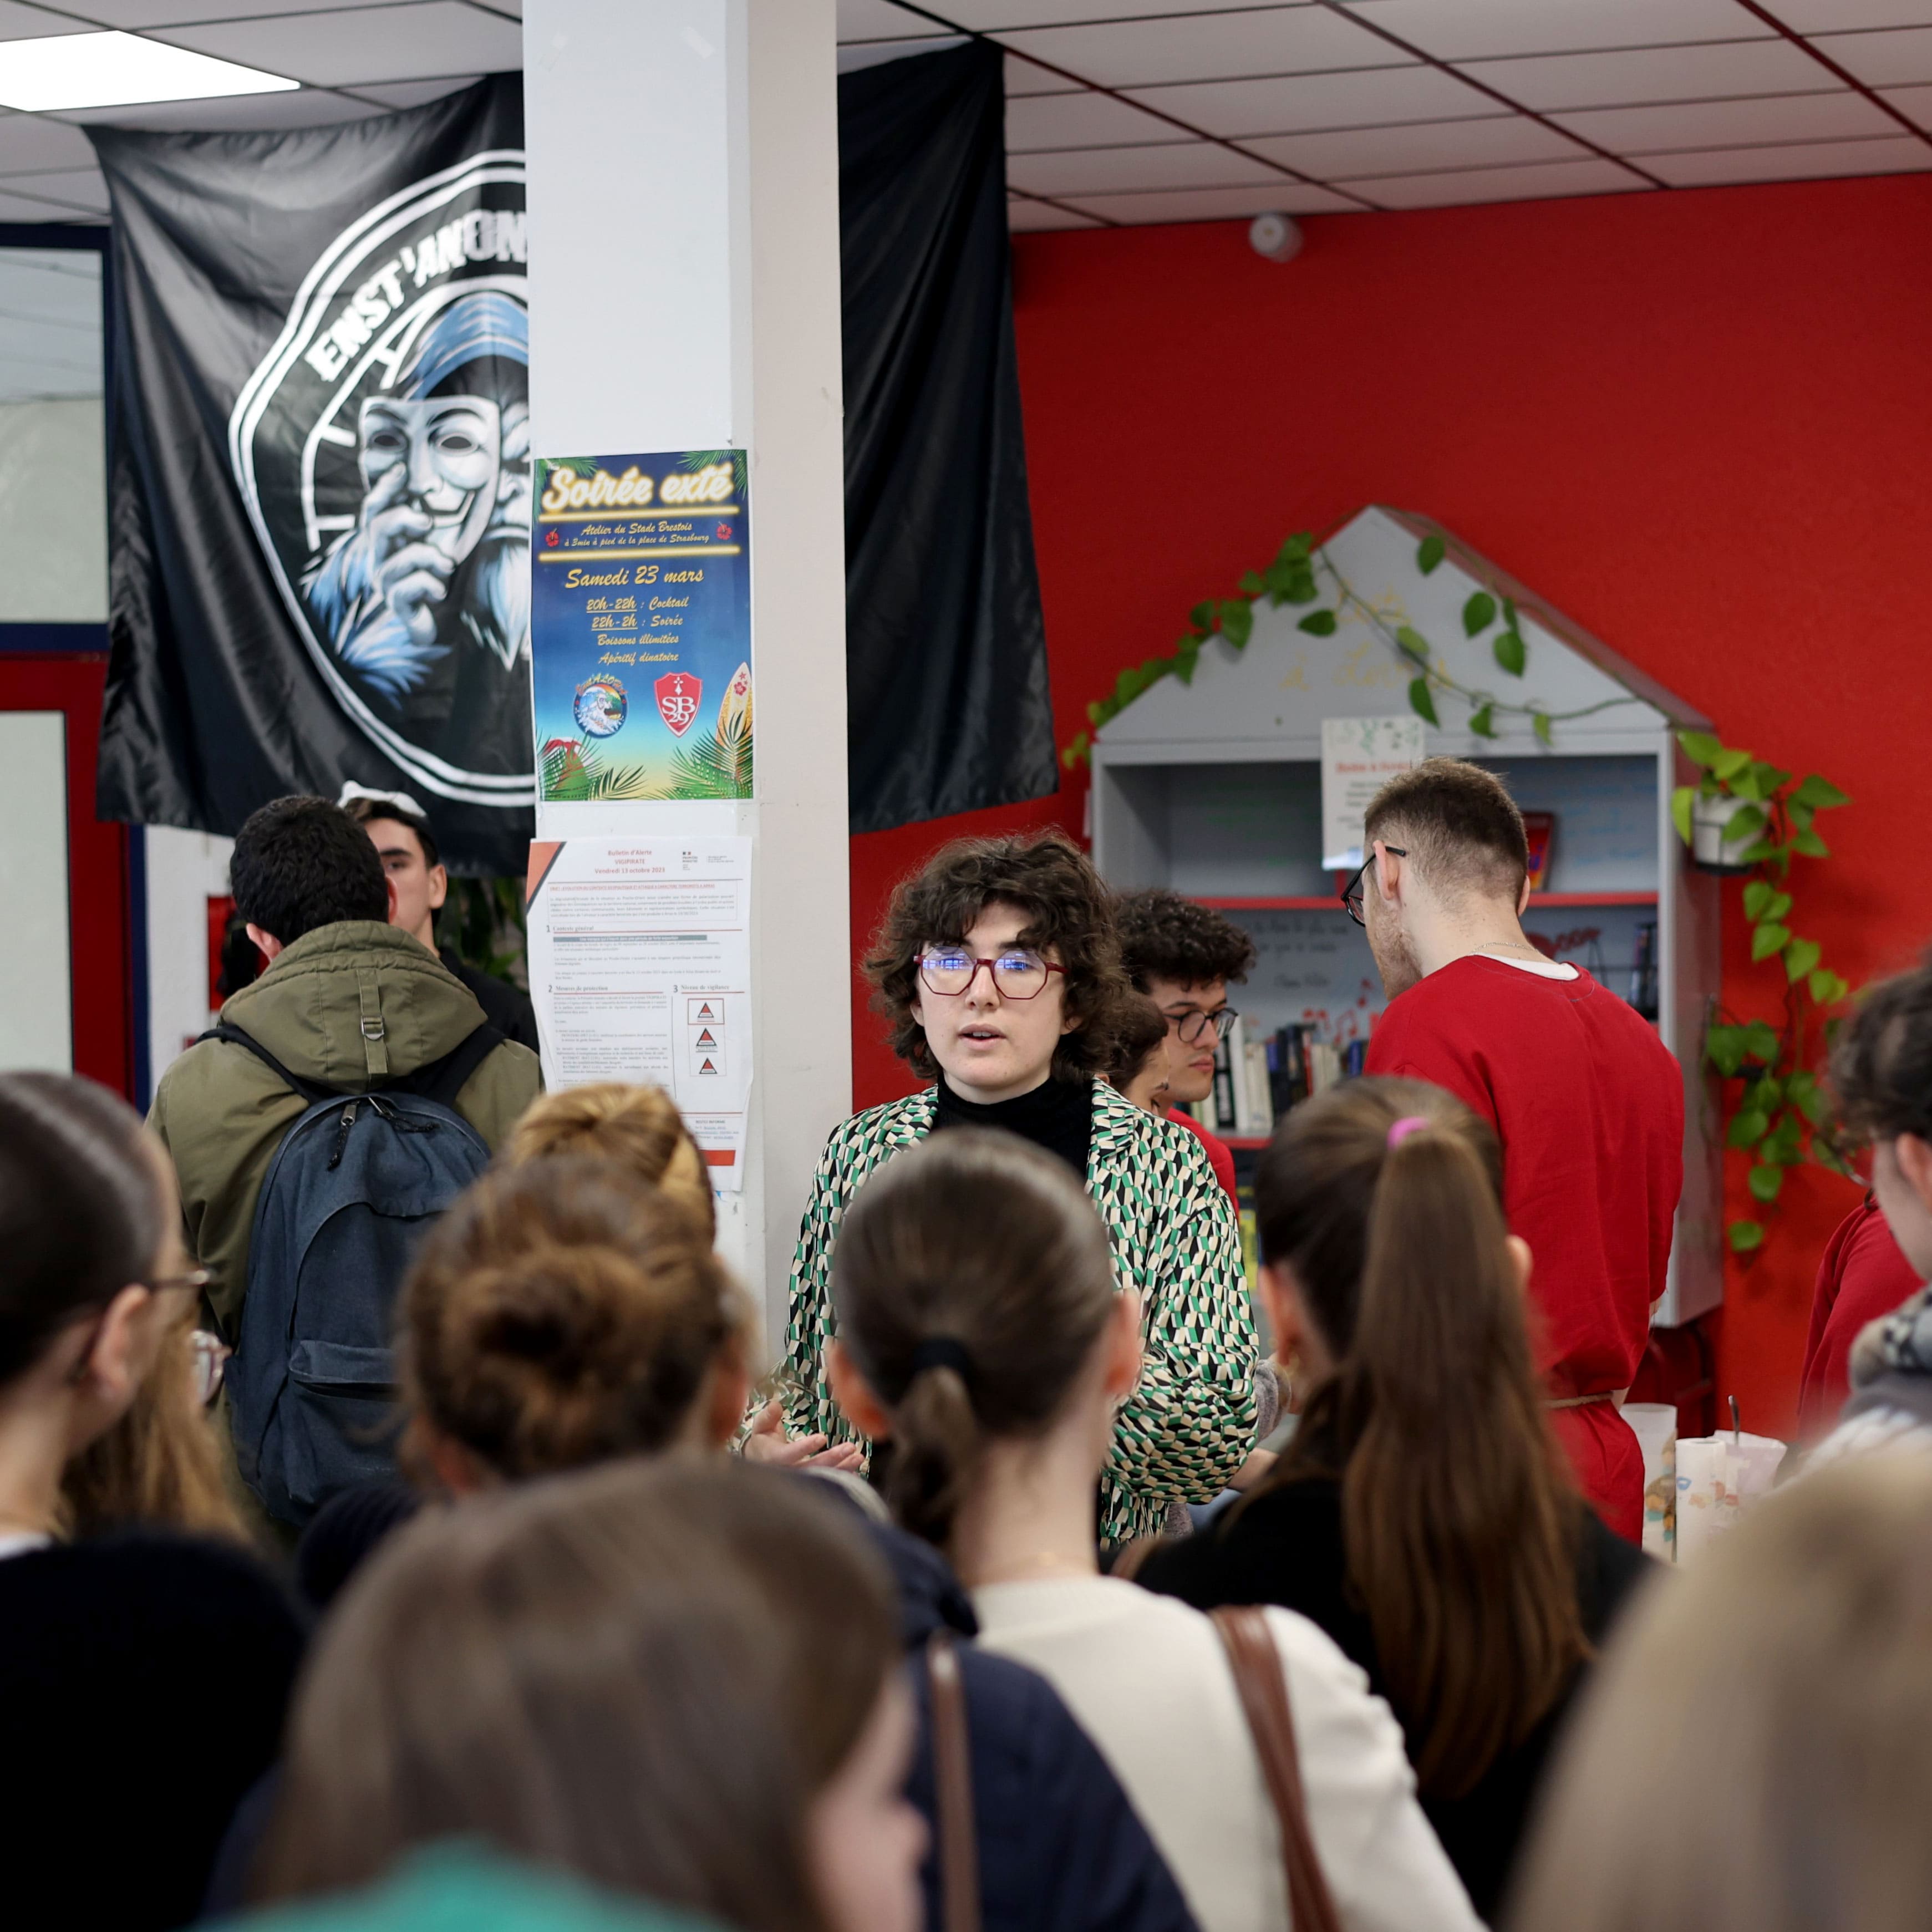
336 591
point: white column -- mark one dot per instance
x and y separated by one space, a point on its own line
684 295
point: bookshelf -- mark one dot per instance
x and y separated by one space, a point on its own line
1213 788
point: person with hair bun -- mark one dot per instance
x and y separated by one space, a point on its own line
981 1333
638 1127
998 966
144 1675
1424 1514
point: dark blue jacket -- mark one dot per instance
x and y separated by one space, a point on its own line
1060 1848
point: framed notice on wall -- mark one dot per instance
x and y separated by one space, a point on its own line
640 626
1359 756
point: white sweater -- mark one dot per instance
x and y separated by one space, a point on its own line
1147 1678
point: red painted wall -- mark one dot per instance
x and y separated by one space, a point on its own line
1698 423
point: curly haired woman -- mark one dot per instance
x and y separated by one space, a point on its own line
999 969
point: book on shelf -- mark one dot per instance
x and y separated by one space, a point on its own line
1539 830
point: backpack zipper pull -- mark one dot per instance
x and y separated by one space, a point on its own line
342 1135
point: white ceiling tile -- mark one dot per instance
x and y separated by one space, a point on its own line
24 208
1048 121
1914 103
78 187
414 93
1034 218
407 42
1780 117
1209 46
1468 29
1296 104
1882 60
31 141
1411 149
1896 155
1552 81
1548 181
1024 78
31 23
880 20
1215 204
306 107
1820 17
855 56
1086 171
140 14
513 8
988 16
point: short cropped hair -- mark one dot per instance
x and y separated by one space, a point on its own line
300 863
366 812
1165 936
1882 1061
1458 825
1069 913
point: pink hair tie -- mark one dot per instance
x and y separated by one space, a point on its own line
1409 1123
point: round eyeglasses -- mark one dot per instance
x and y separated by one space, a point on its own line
1190 1029
1017 974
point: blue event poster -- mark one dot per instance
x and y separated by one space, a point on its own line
640 626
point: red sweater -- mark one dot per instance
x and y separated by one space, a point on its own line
1220 1156
1862 1277
1588 1105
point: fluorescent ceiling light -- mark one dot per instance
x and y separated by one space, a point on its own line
117 70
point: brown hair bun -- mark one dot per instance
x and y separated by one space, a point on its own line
638 1127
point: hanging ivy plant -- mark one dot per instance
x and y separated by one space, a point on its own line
1780 1111
1295 576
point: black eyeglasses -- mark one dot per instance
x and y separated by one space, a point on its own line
1192 1028
1351 893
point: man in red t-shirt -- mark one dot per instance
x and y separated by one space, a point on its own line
1182 955
1586 1100
1864 1275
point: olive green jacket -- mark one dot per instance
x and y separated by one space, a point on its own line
1190 1423
221 1113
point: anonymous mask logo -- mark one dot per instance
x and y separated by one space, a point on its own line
382 447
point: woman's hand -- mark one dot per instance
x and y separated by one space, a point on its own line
768 1443
1259 1463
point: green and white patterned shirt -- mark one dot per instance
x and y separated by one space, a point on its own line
1190 1423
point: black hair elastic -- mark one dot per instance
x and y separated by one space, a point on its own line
943 1351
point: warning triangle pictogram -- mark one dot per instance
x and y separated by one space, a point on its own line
704 1012
705 1038
706 1067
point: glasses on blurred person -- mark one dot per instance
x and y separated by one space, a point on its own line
1017 974
1190 1029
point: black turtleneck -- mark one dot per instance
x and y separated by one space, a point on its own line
1056 1115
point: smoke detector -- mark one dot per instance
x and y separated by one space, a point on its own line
1274 238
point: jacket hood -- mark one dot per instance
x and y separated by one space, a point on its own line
931 1597
355 1004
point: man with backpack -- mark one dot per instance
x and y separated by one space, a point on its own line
346 1097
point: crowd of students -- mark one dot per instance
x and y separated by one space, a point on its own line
1010 1601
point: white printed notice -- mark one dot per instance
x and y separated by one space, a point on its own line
1359 756
640 964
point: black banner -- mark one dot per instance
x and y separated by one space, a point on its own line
320 500
945 649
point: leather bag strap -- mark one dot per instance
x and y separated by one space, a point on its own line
952 1779
1262 1684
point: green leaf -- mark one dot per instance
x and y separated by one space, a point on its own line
1510 651
1768 778
1724 1048
1744 824
1479 613
1765 1182
1800 956
1253 582
1757 897
1295 549
1420 701
1806 841
1097 713
1729 762
1744 785
1509 612
1761 1043
1238 622
1800 815
1075 754
1202 616
1480 722
1749 1125
1681 800
1764 1093
1768 938
1826 987
1429 554
1413 642
1540 720
1746 1237
1318 624
1701 749
1785 1143
1300 588
1779 904
1766 851
1818 794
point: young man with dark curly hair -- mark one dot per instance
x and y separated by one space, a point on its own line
998 967
1184 955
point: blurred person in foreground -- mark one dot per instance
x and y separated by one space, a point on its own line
1754 1753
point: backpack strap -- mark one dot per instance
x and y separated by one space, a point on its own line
952 1782
310 1090
441 1080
